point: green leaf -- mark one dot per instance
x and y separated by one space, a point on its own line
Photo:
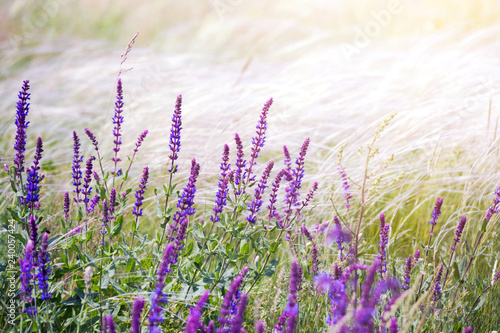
245 248
118 226
483 226
456 271
274 246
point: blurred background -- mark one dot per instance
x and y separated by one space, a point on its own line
334 68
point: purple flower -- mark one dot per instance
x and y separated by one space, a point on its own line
292 308
459 231
436 213
436 293
339 235
26 274
258 140
230 300
158 297
118 121
493 208
186 200
394 325
92 139
66 205
337 272
221 199
139 194
287 160
240 165
140 139
406 278
175 134
33 232
290 323
93 203
108 324
136 315
87 189
193 322
105 218
415 258
44 268
38 153
384 239
96 177
273 197
21 124
345 185
256 203
260 327
292 191
237 323
112 201
77 172
33 179
467 330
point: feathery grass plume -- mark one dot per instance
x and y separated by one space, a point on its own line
22 110
384 239
230 300
26 272
345 185
256 203
77 172
136 315
117 121
44 268
221 198
158 297
193 321
240 165
139 194
257 141
292 308
175 135
186 200
66 206
87 189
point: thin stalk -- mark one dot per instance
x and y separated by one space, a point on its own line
468 266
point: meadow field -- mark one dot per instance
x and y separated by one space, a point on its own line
379 215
